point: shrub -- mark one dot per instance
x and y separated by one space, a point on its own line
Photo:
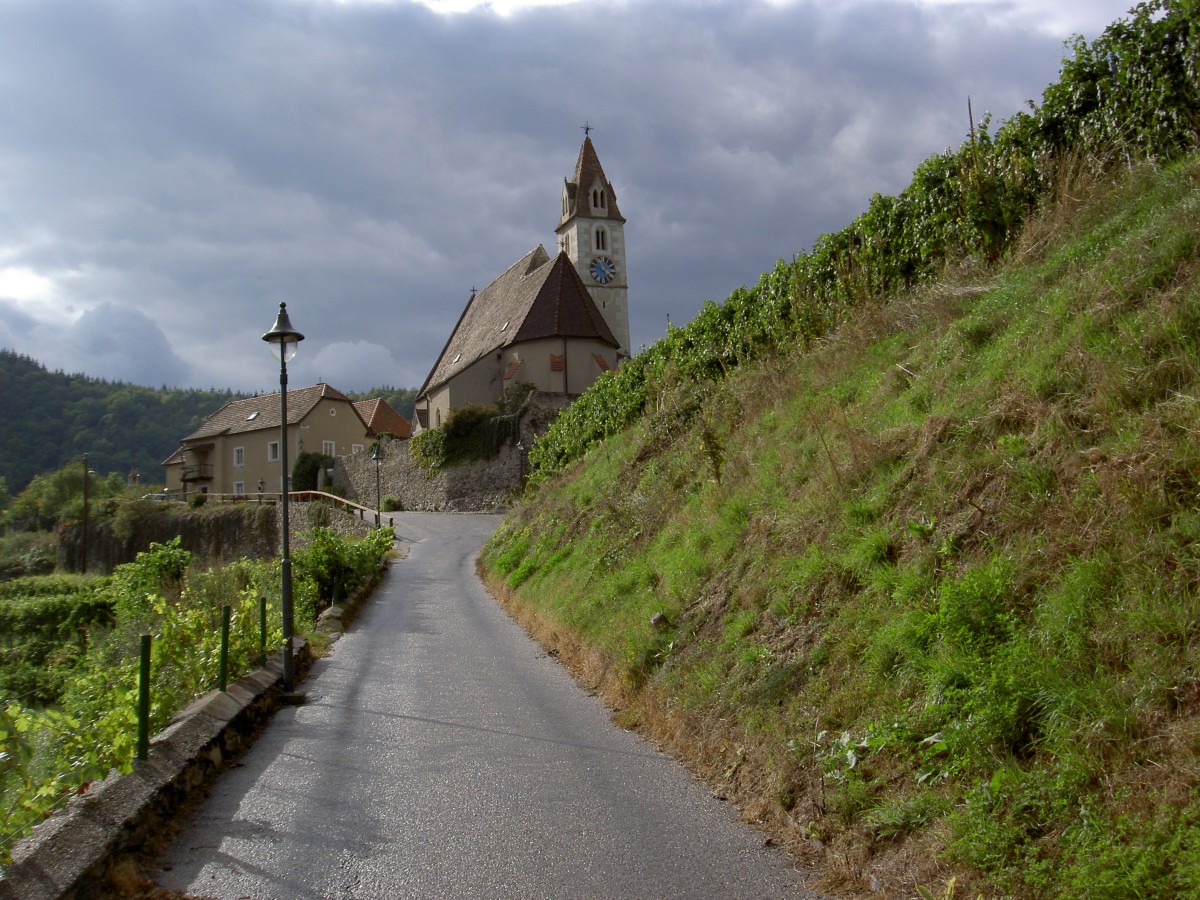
306 472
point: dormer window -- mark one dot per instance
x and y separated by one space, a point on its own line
599 199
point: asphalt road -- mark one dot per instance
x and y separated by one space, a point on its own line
441 753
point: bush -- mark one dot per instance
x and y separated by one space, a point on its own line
306 473
26 553
473 432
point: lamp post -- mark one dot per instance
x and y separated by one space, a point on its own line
377 455
284 341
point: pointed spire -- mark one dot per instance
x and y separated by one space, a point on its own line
588 172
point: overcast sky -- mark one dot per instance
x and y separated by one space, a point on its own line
170 171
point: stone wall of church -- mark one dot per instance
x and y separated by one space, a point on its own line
485 485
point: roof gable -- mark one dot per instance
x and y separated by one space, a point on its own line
535 298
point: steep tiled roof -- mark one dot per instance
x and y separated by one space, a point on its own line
537 297
257 413
381 418
587 171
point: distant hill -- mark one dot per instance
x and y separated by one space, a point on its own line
51 418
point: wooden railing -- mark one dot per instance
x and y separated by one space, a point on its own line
349 506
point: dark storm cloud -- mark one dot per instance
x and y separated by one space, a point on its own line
169 172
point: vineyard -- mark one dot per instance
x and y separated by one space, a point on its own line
1131 95
69 669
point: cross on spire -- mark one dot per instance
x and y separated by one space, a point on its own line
587 128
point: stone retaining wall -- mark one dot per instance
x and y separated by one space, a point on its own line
475 487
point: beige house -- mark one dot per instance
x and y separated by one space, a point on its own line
557 324
236 449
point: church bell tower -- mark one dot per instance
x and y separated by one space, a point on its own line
592 234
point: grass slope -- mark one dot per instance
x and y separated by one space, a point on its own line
923 596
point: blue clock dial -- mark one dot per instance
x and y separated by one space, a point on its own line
603 269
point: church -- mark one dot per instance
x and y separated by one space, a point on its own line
557 323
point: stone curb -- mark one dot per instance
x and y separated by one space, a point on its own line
71 854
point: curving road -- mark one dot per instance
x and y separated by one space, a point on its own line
442 754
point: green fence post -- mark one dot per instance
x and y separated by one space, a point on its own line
262 629
143 741
224 647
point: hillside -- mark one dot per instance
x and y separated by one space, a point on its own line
925 592
900 548
51 418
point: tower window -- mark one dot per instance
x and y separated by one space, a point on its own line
599 200
600 238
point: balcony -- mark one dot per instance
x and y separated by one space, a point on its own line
198 472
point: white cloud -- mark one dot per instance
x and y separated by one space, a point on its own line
23 284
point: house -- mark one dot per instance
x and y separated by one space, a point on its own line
236 449
555 323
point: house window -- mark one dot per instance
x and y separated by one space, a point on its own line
356 448
239 488
329 448
601 239
239 456
557 362
273 451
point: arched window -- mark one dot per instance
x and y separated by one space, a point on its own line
600 239
599 200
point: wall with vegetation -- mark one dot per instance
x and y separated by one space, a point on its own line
212 534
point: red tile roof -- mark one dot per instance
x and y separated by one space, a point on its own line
381 418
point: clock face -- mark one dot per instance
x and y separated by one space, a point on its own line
603 269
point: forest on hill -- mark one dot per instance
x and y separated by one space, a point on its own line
899 548
52 418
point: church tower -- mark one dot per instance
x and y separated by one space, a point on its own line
592 234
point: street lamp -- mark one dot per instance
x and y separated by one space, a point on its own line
284 341
377 455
